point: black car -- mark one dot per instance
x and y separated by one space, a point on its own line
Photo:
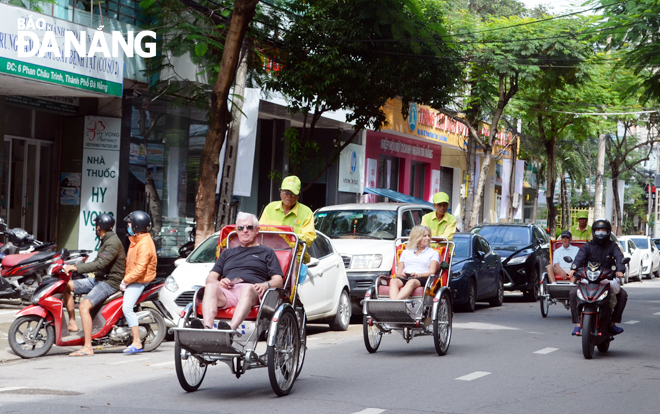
476 272
525 252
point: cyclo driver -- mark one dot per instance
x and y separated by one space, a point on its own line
604 251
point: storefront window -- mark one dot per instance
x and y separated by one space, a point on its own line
417 176
165 146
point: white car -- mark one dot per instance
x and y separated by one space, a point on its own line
364 235
650 256
631 250
324 293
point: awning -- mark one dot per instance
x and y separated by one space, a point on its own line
396 196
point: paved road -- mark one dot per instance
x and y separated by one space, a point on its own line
501 360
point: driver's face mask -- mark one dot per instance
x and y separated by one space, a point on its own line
600 233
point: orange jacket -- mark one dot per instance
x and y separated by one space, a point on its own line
141 259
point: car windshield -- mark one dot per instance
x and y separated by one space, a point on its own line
623 245
461 247
657 243
505 237
640 242
205 253
349 224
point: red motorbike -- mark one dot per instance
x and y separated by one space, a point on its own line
22 273
42 324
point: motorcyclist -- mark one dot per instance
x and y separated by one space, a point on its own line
601 249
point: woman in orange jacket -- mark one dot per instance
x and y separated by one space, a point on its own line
140 270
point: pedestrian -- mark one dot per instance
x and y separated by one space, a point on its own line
140 270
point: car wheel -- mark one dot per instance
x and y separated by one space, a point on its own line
343 317
498 300
471 304
533 294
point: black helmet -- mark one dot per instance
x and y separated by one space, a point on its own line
105 221
601 224
140 221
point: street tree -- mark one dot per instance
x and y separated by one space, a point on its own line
502 55
332 57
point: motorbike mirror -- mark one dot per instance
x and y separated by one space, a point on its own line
568 259
65 254
625 260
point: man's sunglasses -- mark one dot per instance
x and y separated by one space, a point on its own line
241 228
287 193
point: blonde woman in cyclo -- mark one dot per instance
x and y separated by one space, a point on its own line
417 262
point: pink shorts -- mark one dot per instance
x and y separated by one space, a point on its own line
233 294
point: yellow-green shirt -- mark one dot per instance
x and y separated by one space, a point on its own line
300 217
579 234
440 228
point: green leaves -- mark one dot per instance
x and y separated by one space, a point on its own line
201 49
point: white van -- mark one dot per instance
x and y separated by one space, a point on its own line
364 235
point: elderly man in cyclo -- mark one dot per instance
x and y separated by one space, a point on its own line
289 212
240 277
441 223
559 266
581 231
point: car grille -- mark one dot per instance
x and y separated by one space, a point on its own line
347 261
364 284
185 298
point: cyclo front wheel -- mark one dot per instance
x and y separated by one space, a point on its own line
283 354
190 371
442 325
372 335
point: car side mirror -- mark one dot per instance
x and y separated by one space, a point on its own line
625 260
568 259
480 254
444 265
313 262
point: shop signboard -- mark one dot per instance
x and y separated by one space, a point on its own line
435 183
351 169
100 176
372 171
97 73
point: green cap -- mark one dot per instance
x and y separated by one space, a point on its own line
583 214
440 198
291 183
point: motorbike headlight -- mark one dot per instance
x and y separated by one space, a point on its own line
579 295
366 261
37 295
170 284
518 260
603 295
592 276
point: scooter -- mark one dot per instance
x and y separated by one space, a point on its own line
24 272
595 304
43 324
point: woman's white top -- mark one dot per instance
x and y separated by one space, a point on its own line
418 264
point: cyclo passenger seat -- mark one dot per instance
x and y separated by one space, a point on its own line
384 289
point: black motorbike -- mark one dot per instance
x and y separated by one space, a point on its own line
595 305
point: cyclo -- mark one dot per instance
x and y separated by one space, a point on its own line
428 310
557 293
279 321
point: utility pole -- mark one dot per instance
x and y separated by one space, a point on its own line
512 179
598 205
231 150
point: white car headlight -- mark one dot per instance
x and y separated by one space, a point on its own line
457 275
646 257
170 284
518 260
366 261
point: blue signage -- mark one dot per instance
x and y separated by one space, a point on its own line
412 117
353 161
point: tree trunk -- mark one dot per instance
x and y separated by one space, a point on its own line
219 118
617 225
512 180
598 197
535 204
551 174
564 202
153 204
224 216
479 193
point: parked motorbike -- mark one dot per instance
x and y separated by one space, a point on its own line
24 272
18 241
595 304
42 324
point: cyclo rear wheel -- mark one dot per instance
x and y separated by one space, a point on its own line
189 370
442 325
588 335
283 354
545 302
